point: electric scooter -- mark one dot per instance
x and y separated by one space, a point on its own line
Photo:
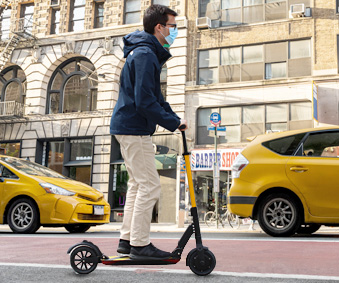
85 256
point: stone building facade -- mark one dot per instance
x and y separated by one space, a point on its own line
70 45
259 63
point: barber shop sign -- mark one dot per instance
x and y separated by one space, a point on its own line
202 160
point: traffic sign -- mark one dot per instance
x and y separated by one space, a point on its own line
215 118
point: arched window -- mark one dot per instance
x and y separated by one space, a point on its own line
73 87
13 84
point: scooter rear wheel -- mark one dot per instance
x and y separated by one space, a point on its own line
201 266
84 260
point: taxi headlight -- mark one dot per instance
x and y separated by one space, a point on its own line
53 189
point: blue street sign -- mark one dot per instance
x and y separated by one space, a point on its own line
211 128
215 118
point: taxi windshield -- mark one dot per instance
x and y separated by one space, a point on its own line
31 168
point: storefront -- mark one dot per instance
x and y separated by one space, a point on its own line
166 150
202 167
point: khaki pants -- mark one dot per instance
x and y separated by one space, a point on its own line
143 188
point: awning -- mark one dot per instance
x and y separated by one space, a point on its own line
162 162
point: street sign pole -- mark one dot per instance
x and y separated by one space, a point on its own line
215 119
216 177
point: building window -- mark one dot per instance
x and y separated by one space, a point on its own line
70 157
54 151
26 15
235 12
255 62
13 84
163 81
161 2
10 149
132 11
77 15
242 122
73 87
5 23
55 21
99 14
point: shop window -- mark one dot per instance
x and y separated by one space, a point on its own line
81 174
77 15
55 155
73 87
205 196
55 20
81 149
132 11
69 157
10 149
26 14
242 122
5 23
99 14
13 84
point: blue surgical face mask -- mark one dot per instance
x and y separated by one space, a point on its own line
172 36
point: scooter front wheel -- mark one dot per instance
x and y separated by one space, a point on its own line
201 264
84 260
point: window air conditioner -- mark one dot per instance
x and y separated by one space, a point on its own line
203 22
55 3
297 10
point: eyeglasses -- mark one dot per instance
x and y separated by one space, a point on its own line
172 25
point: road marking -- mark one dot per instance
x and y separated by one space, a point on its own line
176 271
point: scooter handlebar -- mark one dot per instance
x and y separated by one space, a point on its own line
184 139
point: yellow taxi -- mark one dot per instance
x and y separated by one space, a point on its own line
32 195
288 181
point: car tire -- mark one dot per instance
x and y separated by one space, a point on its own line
23 216
279 215
307 229
77 228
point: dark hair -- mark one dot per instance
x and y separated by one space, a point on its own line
156 14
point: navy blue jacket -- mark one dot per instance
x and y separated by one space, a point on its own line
141 106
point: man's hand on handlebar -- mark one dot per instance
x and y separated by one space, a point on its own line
183 125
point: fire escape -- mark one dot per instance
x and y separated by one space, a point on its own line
20 33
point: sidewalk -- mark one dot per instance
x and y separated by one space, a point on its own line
156 227
171 227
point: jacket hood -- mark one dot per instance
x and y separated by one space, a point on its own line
142 38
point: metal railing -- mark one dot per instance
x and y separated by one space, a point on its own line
22 26
11 108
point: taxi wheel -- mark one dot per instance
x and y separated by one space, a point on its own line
77 228
23 216
279 215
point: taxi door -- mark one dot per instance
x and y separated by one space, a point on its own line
316 173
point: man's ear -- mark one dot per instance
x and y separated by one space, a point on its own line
157 27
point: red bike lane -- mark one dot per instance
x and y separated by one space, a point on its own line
253 256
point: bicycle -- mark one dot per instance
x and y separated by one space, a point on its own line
232 219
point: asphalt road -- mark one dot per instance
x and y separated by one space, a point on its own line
241 257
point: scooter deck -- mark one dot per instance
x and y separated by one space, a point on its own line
126 260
